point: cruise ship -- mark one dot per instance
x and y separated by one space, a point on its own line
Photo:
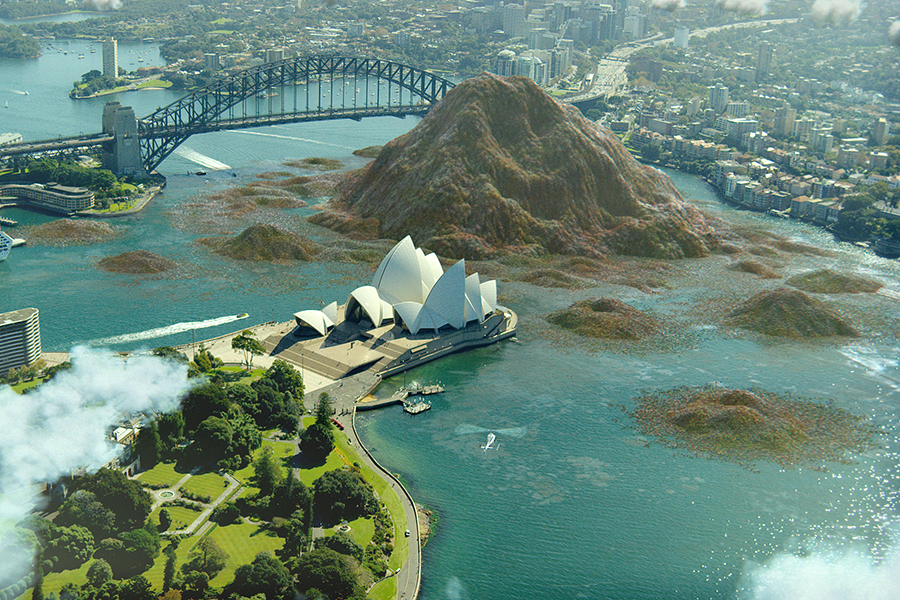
6 244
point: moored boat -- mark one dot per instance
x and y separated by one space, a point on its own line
6 244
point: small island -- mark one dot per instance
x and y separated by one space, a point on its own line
748 426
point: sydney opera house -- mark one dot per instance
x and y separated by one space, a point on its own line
412 312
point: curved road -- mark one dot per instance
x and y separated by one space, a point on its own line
345 393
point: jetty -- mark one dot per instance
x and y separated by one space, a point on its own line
8 222
423 390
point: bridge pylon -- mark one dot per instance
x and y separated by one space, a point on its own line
122 156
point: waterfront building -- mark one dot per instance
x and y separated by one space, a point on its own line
20 338
111 58
52 197
10 138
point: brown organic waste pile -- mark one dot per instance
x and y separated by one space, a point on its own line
748 426
72 232
138 261
789 313
605 318
826 281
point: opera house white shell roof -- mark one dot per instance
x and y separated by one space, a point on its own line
411 289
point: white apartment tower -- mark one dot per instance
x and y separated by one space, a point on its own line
111 58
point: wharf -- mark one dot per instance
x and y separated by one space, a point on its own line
424 391
8 222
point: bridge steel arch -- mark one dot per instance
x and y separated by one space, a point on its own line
225 103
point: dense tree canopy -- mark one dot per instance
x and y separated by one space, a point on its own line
15 45
265 575
331 573
202 402
125 497
83 508
343 494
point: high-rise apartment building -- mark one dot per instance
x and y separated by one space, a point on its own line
880 131
718 98
20 339
763 60
110 58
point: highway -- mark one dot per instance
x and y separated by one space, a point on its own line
610 77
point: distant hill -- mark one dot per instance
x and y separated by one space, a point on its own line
499 166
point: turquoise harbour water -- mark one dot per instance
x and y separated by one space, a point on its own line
572 503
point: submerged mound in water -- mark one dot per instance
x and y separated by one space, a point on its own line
138 262
747 426
789 313
753 267
605 318
72 232
826 281
499 166
265 242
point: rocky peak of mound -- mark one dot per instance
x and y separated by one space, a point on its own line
499 166
786 312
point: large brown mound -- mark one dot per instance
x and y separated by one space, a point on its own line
605 318
264 242
498 165
72 232
789 313
826 281
746 426
138 261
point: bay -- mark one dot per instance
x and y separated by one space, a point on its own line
573 503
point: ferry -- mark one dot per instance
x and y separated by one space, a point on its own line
6 244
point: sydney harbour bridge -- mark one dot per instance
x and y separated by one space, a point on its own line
306 88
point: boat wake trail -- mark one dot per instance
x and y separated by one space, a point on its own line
467 428
879 367
164 331
291 137
201 159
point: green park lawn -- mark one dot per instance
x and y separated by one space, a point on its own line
207 484
181 517
162 474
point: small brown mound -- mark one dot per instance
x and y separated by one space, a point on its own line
753 267
264 243
137 262
789 313
71 232
746 426
368 151
551 278
826 281
605 318
318 164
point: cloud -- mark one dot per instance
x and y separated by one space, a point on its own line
825 575
894 33
669 5
105 5
836 12
62 426
747 7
